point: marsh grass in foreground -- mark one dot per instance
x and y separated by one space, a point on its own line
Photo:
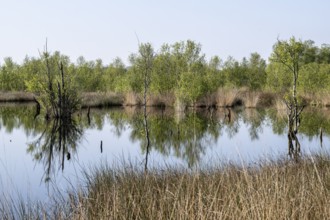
270 190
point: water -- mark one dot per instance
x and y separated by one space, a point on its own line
35 155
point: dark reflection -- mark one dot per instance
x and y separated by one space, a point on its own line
57 143
147 135
183 135
321 137
294 120
293 142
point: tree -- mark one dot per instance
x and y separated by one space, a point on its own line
191 83
315 78
310 52
256 72
144 62
191 86
116 76
324 54
9 75
57 95
236 72
164 69
214 75
277 79
290 54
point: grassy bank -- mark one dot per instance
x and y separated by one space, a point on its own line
269 190
221 98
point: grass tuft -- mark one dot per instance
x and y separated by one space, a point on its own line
226 97
101 99
16 97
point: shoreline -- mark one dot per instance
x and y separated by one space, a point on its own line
223 98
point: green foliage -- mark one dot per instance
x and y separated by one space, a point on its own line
290 54
277 78
315 77
180 69
249 73
10 73
89 75
257 77
116 77
55 89
324 54
33 69
214 76
140 72
191 87
164 78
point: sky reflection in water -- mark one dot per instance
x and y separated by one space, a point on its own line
28 165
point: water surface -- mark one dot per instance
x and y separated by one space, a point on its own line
36 155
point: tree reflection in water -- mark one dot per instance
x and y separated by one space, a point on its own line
187 136
57 143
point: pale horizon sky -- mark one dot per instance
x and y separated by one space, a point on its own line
107 29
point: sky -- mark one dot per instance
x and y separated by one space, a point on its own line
106 29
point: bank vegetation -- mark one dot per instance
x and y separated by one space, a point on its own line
181 76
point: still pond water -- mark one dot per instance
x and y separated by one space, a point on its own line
36 155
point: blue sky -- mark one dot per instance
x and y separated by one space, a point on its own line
107 28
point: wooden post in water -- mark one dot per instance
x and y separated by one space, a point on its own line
321 136
88 115
101 147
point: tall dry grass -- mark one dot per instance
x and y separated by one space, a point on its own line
282 190
166 99
132 99
208 100
101 99
16 97
245 97
280 104
321 98
223 97
226 97
269 190
250 98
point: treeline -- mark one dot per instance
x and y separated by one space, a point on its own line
180 70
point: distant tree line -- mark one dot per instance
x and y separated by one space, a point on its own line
179 69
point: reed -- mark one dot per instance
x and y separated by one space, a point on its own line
226 97
101 99
161 100
281 190
16 97
267 190
279 103
250 98
321 98
223 97
132 99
